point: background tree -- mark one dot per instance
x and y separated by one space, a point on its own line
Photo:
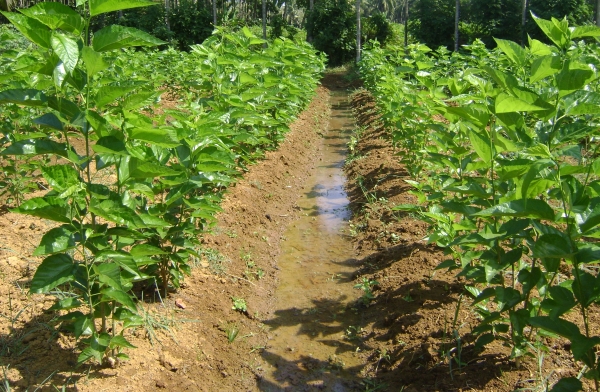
489 19
332 24
432 22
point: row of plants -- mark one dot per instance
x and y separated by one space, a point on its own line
502 150
132 184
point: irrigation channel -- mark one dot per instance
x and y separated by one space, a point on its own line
316 310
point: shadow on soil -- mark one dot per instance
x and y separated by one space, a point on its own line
394 312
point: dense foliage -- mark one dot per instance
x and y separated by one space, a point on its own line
132 186
332 24
189 23
502 148
432 21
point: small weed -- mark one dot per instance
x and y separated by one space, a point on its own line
231 234
213 260
408 298
239 304
372 385
252 271
12 344
353 333
153 322
231 331
335 363
257 348
366 285
383 355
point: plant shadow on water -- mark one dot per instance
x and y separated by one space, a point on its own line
347 326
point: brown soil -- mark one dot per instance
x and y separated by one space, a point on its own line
184 345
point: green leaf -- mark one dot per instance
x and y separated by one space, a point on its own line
49 120
94 62
552 31
98 7
61 177
56 16
507 297
117 37
33 30
525 208
582 102
146 250
36 147
109 274
66 108
116 212
54 270
52 208
588 253
110 145
162 137
584 31
477 115
66 304
574 76
66 49
119 296
82 324
119 341
582 347
513 51
539 150
58 239
482 145
109 94
533 172
560 302
136 100
538 48
508 104
144 169
586 288
568 384
25 97
96 349
529 279
544 66
552 246
560 327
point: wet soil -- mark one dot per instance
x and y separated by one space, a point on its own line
315 300
292 243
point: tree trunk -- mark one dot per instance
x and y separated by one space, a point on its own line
309 37
264 21
214 7
523 22
598 13
358 31
405 23
167 10
456 19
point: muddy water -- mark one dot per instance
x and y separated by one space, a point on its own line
316 321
